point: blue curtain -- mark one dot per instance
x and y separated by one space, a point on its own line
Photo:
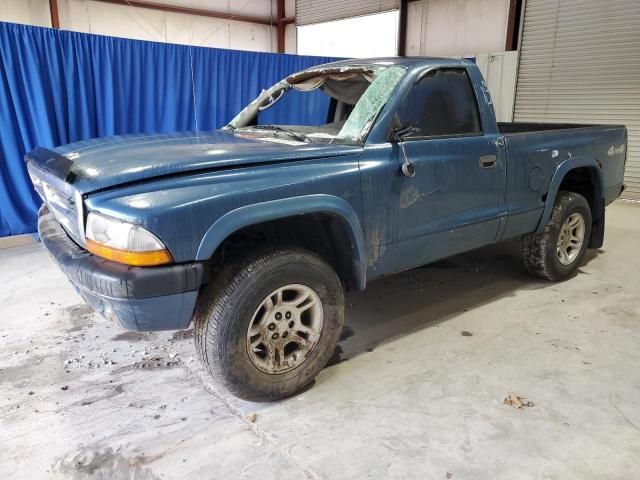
298 108
58 87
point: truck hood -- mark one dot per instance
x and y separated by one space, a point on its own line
108 162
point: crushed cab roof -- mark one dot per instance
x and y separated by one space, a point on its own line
407 62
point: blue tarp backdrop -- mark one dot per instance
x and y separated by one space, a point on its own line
58 87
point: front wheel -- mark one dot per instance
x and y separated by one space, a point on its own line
556 253
269 323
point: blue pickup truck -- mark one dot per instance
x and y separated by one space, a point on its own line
255 231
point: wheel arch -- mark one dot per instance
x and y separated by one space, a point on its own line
582 175
328 206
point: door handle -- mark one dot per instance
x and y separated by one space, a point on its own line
488 161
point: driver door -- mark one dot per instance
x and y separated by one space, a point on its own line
454 201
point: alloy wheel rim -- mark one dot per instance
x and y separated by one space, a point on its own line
285 329
570 239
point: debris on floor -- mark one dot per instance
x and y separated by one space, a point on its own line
251 417
517 402
466 333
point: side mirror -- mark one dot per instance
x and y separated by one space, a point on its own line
396 134
398 130
394 127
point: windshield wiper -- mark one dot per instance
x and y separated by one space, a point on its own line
292 133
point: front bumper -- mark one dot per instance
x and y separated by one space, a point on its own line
138 298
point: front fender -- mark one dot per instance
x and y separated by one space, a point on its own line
286 207
562 170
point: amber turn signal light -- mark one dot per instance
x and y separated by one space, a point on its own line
138 259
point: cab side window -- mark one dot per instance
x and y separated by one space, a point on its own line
442 104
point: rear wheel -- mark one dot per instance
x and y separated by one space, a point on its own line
268 325
557 252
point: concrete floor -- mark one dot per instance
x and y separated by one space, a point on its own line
416 399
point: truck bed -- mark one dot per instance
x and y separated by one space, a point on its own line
535 151
531 127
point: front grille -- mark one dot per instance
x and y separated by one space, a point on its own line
62 199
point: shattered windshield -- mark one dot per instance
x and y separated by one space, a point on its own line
319 106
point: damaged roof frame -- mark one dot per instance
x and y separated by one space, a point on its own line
366 109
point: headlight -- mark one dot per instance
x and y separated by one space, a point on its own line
124 242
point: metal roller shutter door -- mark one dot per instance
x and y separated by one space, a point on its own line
316 11
580 63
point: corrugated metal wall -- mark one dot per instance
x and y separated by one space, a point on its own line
316 11
580 63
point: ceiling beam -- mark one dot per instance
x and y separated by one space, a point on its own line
402 28
55 17
281 26
194 11
513 24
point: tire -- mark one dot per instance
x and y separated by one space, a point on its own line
246 294
545 254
